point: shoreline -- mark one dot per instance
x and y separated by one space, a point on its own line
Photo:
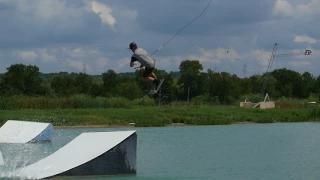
132 125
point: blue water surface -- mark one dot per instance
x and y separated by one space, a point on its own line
239 151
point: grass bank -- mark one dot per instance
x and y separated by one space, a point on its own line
146 116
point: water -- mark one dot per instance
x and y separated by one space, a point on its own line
247 151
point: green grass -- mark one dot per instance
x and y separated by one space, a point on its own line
74 102
145 116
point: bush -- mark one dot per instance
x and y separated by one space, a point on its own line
313 98
145 101
291 103
254 98
314 114
205 99
77 101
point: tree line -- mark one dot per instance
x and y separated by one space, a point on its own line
189 84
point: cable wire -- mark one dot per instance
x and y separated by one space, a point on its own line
182 29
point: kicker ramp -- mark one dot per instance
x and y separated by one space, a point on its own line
14 131
89 154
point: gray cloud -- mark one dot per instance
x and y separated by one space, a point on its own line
220 15
36 26
66 34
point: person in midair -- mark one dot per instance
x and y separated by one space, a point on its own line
146 61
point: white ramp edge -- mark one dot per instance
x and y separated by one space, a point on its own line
14 131
80 150
1 159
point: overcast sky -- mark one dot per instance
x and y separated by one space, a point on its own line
68 35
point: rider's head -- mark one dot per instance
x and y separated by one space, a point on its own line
133 46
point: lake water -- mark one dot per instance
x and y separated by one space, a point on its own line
240 151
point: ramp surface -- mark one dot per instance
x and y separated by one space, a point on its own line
81 150
14 131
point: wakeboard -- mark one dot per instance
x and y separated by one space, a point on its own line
154 91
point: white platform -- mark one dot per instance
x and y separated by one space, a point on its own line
82 149
14 131
1 159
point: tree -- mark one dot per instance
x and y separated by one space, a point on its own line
257 83
224 86
318 86
190 80
167 89
246 86
83 83
271 86
22 79
288 82
129 90
203 83
63 85
96 90
308 84
109 82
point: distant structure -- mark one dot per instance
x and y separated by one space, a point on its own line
307 52
84 68
244 70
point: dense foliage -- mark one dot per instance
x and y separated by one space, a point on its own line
191 83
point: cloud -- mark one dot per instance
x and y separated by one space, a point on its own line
96 66
39 24
284 8
262 56
311 9
254 39
215 55
82 52
170 63
228 54
40 54
28 55
226 14
47 9
46 57
77 52
78 65
301 10
104 12
299 63
130 14
101 64
120 64
66 34
302 39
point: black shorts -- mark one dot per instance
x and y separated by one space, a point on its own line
147 72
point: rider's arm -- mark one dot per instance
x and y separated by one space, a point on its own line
133 59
